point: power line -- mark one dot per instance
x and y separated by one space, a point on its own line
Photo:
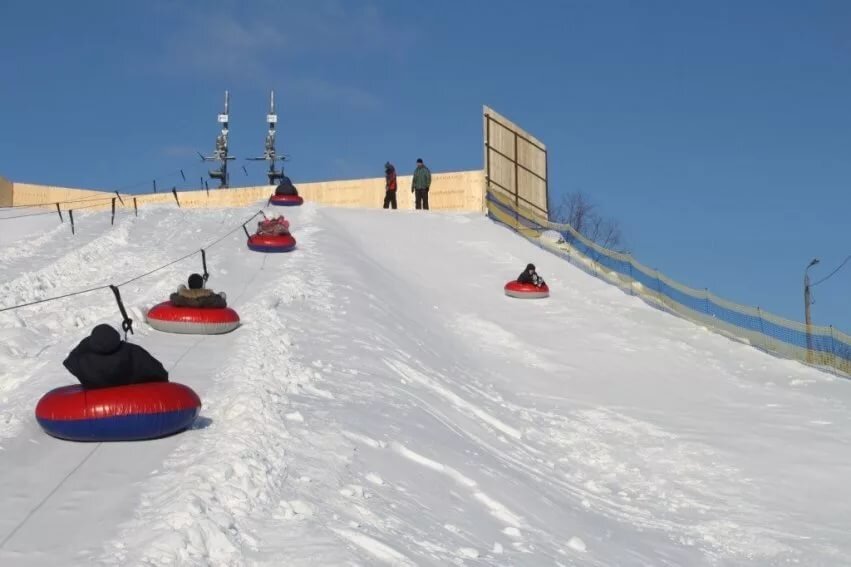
828 276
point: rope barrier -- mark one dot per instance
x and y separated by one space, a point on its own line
54 212
99 197
139 277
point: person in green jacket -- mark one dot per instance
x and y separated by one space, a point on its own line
421 184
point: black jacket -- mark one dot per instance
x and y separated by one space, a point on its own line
286 187
102 360
533 278
186 297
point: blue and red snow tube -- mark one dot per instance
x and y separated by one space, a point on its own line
121 413
286 200
271 242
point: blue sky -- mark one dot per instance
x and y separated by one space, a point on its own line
716 133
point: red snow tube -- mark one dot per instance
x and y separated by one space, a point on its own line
192 320
286 200
121 413
526 291
271 242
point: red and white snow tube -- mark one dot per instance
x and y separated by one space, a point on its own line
168 318
286 200
526 291
271 242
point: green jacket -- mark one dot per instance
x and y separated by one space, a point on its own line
422 178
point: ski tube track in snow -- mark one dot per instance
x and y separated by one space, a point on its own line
384 403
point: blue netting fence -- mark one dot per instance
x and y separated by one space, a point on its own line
824 347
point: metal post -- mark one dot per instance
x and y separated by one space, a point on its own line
135 207
807 318
487 150
516 185
547 181
112 219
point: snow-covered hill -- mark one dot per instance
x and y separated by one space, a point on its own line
385 403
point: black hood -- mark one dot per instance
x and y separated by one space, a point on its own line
104 340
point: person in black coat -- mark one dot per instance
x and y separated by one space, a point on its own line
102 360
286 187
530 276
196 295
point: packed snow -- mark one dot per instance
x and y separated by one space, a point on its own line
384 403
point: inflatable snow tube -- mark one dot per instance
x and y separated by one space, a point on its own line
271 242
526 291
122 413
286 200
168 318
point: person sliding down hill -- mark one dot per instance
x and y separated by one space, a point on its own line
286 187
102 360
196 295
274 227
530 276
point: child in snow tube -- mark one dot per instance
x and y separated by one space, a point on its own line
102 360
277 226
530 276
196 295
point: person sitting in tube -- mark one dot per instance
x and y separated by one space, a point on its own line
530 276
277 226
196 295
103 360
286 187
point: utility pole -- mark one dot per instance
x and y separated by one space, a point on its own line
807 302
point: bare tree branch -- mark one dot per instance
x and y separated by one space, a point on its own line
577 210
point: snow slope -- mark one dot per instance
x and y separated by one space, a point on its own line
385 403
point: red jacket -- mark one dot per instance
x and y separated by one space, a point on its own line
390 177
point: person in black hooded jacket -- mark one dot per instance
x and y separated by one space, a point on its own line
102 360
286 187
530 276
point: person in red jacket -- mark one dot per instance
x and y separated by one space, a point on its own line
389 185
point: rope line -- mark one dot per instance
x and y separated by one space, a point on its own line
122 188
53 212
136 278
